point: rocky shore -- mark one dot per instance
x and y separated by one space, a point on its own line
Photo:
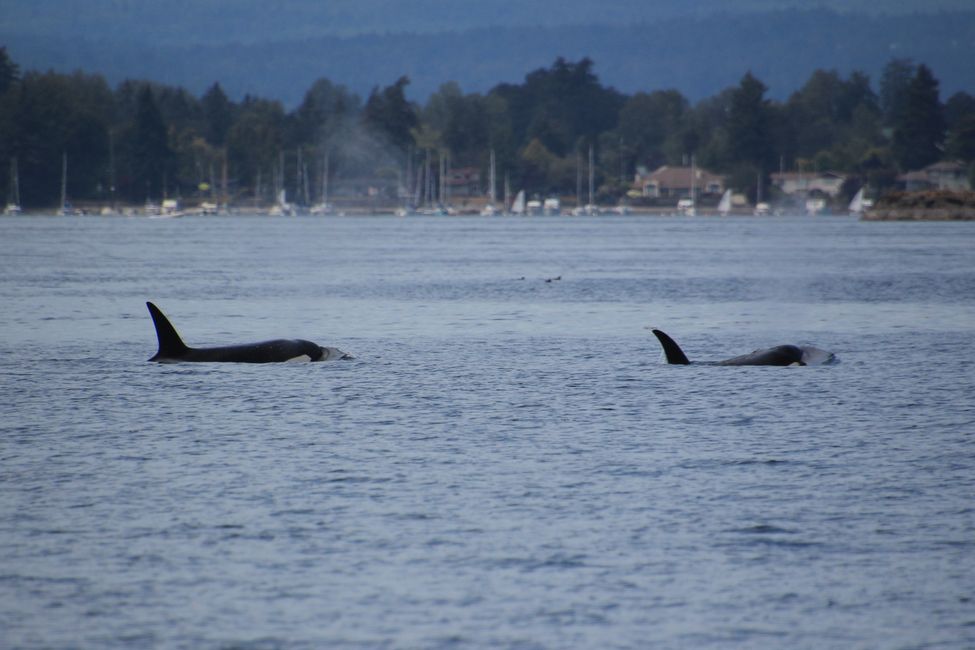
932 205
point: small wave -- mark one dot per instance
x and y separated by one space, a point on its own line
763 529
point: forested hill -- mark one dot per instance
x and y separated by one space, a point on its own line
253 21
697 56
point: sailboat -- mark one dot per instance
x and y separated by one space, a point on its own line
323 207
13 205
281 207
859 204
590 208
762 208
66 208
491 209
518 205
724 205
688 207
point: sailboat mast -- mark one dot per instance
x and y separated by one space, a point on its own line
298 164
578 179
111 168
325 178
428 180
492 191
592 176
409 174
16 181
442 185
64 179
225 197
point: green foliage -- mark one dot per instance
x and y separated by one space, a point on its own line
830 120
959 106
557 105
960 120
919 129
9 72
145 151
463 124
654 127
255 141
51 116
325 112
749 122
218 115
961 140
388 113
894 83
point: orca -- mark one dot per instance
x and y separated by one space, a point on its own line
173 350
780 355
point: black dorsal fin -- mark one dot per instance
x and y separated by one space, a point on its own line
170 344
671 349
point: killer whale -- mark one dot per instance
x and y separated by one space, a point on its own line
173 350
780 355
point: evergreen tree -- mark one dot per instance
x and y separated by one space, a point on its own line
150 148
960 121
325 112
958 108
749 121
561 104
218 115
920 129
893 89
388 113
651 126
961 140
9 72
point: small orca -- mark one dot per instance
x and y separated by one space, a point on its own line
173 350
780 355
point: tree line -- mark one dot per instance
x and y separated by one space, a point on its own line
144 140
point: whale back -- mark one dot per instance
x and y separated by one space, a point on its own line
780 355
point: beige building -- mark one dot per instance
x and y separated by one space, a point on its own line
947 175
676 182
804 183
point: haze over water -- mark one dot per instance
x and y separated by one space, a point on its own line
507 462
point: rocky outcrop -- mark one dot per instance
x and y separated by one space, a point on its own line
933 205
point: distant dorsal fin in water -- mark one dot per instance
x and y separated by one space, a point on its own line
674 354
170 343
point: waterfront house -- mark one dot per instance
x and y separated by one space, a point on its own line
804 183
676 182
946 175
464 182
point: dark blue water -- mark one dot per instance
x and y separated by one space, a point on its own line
507 462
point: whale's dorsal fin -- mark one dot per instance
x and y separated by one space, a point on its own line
674 354
170 344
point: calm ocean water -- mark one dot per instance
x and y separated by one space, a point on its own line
507 462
